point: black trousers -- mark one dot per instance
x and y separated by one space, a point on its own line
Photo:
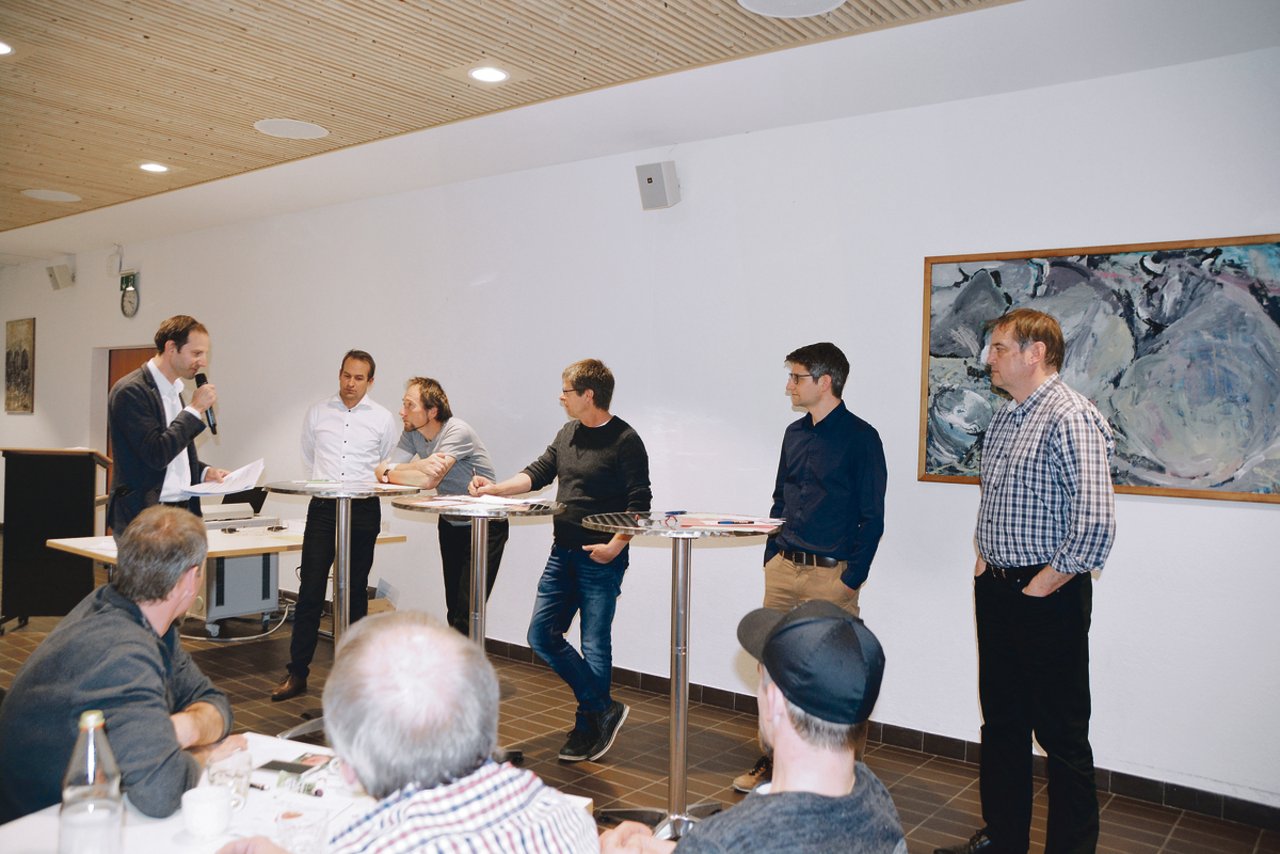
319 546
455 557
1033 678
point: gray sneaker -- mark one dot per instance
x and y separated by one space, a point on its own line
608 722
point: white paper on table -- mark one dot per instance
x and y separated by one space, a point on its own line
245 477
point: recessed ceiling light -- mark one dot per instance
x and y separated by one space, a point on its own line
790 8
488 74
5 50
51 196
290 129
153 167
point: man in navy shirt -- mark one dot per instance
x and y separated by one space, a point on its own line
830 490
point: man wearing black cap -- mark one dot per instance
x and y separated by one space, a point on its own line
820 672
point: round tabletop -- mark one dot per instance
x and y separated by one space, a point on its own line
682 525
340 489
465 505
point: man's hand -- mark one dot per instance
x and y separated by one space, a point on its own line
198 724
630 837
204 397
436 466
1045 582
979 567
214 475
480 485
204 754
605 552
380 472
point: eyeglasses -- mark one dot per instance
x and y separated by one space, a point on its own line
570 391
795 378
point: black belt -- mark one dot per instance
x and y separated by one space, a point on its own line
1016 577
809 559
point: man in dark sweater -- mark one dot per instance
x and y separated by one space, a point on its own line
118 651
820 674
602 467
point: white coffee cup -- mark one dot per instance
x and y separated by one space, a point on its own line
206 810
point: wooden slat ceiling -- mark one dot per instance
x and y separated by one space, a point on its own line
97 87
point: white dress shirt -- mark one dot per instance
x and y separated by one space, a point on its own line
177 477
343 444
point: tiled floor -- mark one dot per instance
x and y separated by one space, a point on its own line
937 798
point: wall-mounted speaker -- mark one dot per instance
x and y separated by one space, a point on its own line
658 185
60 276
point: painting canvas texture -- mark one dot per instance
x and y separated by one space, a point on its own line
20 365
1177 344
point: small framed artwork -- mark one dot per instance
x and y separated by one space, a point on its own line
20 365
1178 345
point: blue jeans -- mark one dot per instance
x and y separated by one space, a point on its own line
573 583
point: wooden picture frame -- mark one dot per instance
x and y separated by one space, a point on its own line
1178 344
20 366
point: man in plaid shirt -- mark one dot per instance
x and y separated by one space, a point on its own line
1045 521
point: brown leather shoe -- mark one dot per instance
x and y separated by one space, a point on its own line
291 687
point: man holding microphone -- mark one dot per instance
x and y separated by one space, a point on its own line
153 430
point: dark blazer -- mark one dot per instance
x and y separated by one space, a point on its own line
142 444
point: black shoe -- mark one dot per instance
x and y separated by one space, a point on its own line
608 723
291 687
979 843
578 747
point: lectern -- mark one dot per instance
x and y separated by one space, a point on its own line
48 493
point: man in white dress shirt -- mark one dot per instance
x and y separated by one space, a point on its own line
343 438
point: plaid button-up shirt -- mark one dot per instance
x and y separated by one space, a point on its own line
497 809
1046 483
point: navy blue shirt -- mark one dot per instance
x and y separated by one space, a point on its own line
830 489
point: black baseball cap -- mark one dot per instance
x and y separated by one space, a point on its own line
822 658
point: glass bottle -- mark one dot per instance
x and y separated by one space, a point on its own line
91 819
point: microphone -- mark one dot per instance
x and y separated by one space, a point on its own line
209 417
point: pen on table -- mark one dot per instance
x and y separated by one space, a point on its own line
675 512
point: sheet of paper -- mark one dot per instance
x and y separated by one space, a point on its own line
245 477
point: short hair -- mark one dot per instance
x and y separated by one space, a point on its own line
410 701
177 329
432 394
591 374
359 356
159 545
814 730
821 360
1027 326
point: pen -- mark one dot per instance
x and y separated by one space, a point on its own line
676 512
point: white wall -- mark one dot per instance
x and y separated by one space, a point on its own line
784 237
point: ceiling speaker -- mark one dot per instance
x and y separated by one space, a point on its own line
658 185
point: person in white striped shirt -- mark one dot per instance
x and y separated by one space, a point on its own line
424 747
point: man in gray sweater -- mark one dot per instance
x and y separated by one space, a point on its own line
118 651
820 673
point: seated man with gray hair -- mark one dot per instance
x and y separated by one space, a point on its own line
411 709
820 671
118 651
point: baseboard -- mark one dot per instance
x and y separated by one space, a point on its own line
1139 788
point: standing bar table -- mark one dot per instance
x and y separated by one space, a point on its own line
682 529
480 511
342 492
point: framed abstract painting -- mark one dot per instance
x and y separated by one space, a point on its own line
1178 344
